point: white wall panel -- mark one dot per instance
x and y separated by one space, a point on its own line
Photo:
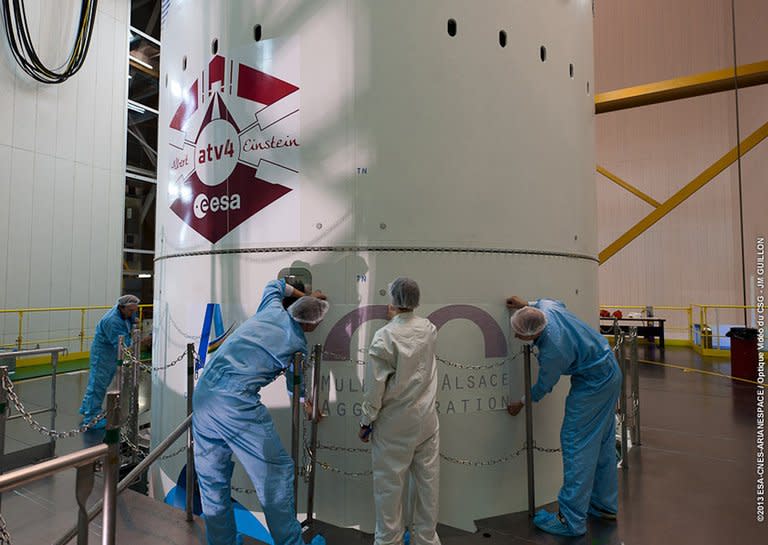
20 225
64 147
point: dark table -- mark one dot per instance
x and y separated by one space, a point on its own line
650 328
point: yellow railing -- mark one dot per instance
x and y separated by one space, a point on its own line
711 319
702 323
79 337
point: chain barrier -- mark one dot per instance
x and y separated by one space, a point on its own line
148 368
131 446
243 490
459 461
340 358
5 536
7 385
352 474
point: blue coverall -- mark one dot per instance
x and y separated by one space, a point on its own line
103 360
569 346
230 418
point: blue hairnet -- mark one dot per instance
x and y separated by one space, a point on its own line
404 293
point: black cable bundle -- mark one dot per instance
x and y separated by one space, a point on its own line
17 32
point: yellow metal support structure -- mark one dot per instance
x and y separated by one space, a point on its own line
685 87
689 189
629 187
82 330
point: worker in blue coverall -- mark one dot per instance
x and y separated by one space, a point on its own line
568 346
118 321
230 418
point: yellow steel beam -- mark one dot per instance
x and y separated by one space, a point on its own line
689 189
629 187
705 83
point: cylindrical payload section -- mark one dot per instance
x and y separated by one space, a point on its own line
362 140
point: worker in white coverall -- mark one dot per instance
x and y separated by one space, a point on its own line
400 419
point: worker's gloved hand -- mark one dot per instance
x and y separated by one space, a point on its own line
515 407
308 410
365 433
515 303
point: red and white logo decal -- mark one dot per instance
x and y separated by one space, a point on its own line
234 146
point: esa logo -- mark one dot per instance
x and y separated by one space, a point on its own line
203 204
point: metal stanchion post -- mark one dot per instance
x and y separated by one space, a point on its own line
119 378
623 405
635 365
295 424
83 488
133 428
3 417
529 432
111 468
54 408
318 358
190 497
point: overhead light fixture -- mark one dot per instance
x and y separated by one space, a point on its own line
145 275
141 62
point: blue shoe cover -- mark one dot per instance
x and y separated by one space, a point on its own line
550 523
407 538
317 540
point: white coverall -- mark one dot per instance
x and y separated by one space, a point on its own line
399 401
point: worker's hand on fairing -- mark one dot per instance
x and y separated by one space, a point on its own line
515 407
365 433
308 410
317 294
515 303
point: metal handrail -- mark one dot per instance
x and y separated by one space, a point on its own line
83 460
136 472
52 409
35 472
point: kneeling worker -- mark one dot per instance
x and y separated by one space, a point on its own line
568 346
400 418
230 418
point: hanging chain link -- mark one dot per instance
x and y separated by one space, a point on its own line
131 446
243 490
340 358
352 474
447 458
348 450
5 536
7 385
479 367
174 453
483 463
130 357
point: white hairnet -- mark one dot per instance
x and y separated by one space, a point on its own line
128 300
309 310
404 293
528 321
